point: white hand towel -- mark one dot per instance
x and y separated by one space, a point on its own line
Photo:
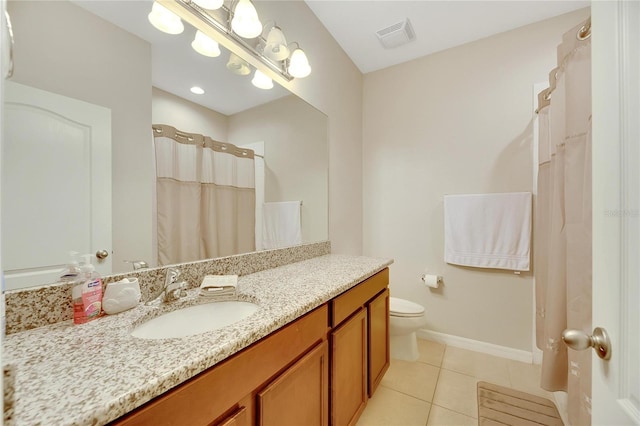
488 230
281 224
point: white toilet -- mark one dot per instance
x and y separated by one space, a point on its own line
405 318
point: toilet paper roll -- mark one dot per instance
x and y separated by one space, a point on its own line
432 281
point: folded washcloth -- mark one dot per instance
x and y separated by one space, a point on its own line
223 298
215 292
218 285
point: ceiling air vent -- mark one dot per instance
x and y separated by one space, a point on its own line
396 34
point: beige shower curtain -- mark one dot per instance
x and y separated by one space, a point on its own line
562 252
205 197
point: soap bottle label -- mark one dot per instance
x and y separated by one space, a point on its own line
87 301
92 298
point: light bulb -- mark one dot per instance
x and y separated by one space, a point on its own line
209 4
165 20
261 81
245 20
205 45
299 64
238 65
276 47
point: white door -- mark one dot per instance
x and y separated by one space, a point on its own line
616 209
56 184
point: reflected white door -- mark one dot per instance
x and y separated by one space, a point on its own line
616 209
56 184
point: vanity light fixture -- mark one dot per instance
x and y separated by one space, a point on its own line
165 20
299 64
209 4
262 81
276 45
239 24
205 45
245 21
237 65
197 90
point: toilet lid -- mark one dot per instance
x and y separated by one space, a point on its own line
404 308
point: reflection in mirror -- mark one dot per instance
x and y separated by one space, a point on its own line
119 63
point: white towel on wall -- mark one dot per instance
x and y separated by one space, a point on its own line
488 230
281 224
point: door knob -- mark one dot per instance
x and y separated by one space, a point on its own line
579 340
102 254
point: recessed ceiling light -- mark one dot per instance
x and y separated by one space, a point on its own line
197 90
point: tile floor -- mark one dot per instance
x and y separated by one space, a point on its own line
440 388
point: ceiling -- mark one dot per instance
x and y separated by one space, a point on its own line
438 25
176 67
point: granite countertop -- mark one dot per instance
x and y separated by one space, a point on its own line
68 374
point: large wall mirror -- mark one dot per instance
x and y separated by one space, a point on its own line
104 61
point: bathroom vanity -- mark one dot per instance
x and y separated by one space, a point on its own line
333 356
312 354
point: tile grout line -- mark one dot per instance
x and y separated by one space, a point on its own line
434 394
453 411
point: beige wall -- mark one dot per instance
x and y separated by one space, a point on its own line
295 142
61 48
458 121
335 88
186 116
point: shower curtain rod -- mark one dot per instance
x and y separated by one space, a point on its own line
544 97
198 139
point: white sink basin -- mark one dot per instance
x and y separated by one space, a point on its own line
194 320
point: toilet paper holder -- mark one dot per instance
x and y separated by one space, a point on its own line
432 280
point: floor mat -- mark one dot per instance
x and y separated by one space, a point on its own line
499 406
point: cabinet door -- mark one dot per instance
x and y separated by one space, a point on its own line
349 370
378 315
300 395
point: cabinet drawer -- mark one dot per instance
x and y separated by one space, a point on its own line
210 394
351 300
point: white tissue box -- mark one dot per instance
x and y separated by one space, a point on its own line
121 295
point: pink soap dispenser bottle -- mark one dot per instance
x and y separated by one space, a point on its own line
87 293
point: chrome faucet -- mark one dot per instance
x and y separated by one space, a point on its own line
138 264
172 289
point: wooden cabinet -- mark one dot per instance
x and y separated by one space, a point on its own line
225 393
318 370
349 369
240 416
359 346
299 396
378 334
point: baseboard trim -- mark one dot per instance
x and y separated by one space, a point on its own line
477 346
537 357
